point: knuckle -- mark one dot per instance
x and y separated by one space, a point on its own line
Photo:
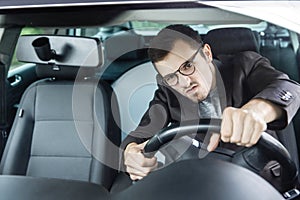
225 139
147 170
143 163
250 117
132 177
228 111
245 141
235 140
261 126
225 134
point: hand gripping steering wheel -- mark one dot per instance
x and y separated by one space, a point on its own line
254 158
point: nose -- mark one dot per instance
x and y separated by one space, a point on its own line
184 81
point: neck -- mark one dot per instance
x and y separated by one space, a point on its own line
213 71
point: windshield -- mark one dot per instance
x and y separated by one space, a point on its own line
283 13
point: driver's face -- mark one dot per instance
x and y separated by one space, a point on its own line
197 85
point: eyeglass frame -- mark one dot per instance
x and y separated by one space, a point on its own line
190 60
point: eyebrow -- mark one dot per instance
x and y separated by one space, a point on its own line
185 62
191 58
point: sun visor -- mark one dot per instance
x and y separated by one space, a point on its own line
60 50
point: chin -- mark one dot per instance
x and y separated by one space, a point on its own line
197 98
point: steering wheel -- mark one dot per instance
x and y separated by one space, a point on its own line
254 158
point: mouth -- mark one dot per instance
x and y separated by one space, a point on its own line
191 89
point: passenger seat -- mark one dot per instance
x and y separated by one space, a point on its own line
65 127
277 46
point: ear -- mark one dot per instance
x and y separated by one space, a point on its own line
207 52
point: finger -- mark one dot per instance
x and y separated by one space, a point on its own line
226 125
134 156
134 177
142 145
135 167
138 171
135 172
149 162
249 124
213 142
237 126
140 161
259 128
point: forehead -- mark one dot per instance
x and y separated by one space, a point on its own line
180 53
182 49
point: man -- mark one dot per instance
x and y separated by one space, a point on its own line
244 92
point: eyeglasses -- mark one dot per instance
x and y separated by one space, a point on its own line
187 68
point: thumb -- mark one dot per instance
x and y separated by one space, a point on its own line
142 145
213 142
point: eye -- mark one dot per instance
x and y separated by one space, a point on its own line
170 77
187 66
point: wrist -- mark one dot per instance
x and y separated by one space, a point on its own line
265 109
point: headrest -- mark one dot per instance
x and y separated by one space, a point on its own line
231 41
60 56
275 37
125 45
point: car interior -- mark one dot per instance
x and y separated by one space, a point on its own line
49 105
78 92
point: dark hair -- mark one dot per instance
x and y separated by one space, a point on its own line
163 43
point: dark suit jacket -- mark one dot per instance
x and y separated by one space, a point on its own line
240 78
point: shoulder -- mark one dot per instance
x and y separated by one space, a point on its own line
250 57
248 61
243 64
245 58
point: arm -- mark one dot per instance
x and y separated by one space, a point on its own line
266 83
245 125
269 106
154 119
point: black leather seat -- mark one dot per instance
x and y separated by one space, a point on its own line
226 41
66 126
123 51
276 44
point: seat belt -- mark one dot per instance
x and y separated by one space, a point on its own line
6 52
3 100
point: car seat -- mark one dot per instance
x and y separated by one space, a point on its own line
276 44
224 41
123 51
126 64
133 80
66 124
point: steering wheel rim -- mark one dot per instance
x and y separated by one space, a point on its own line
253 158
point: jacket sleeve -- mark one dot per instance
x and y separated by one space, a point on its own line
267 83
155 118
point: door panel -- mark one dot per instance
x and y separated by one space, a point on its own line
17 82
